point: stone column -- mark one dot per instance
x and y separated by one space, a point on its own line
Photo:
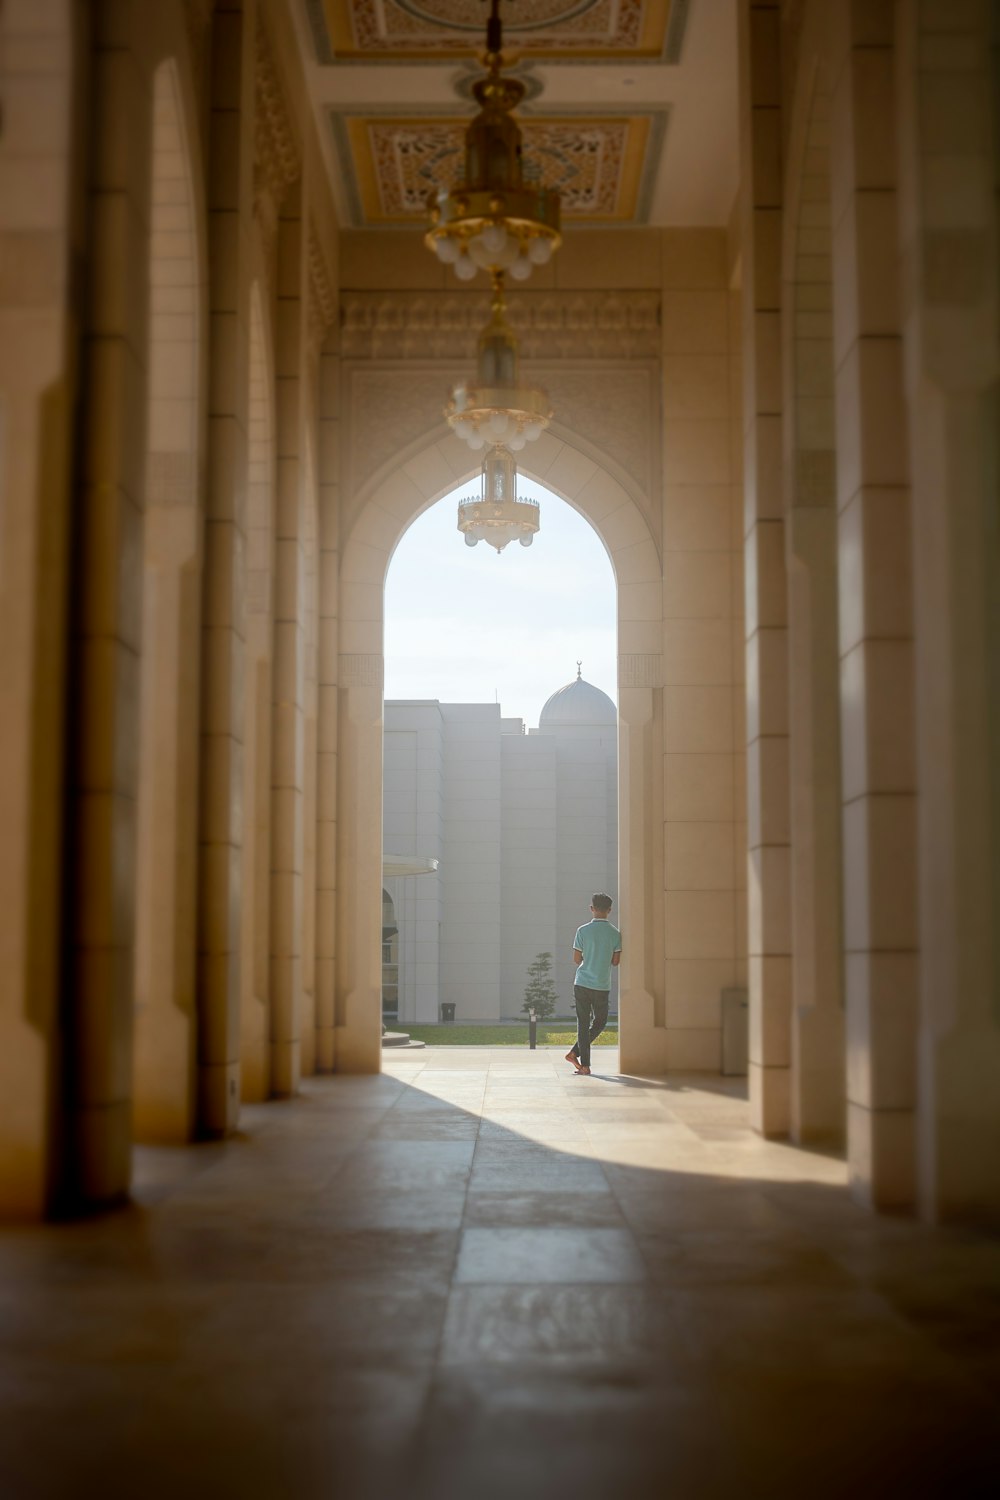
817 1082
222 715
164 1108
287 761
255 1008
38 327
950 236
769 904
704 861
359 850
876 625
642 1033
326 765
106 628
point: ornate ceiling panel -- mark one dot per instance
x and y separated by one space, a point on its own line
391 84
407 30
596 163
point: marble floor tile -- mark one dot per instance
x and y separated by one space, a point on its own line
477 1275
548 1255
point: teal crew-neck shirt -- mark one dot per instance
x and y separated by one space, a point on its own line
598 941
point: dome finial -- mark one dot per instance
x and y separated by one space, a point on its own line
579 670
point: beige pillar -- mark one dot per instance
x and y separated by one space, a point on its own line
107 623
164 1106
817 1079
309 617
769 904
222 709
255 978
289 661
643 1037
359 850
876 647
37 393
326 735
703 702
950 237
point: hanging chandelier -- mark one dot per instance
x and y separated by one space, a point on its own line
496 407
492 220
499 515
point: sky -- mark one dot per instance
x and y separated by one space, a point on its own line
466 625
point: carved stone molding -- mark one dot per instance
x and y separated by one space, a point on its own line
360 669
612 407
549 325
639 670
277 153
389 410
321 292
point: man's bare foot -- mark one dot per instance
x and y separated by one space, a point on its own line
584 1070
571 1057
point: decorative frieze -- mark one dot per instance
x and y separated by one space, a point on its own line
322 295
277 153
613 408
549 325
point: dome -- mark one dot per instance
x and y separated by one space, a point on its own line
578 703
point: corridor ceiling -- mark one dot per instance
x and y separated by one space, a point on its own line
630 109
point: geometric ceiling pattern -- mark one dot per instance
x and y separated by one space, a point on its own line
390 84
410 29
596 164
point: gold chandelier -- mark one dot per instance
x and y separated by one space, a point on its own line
499 515
492 220
496 407
495 222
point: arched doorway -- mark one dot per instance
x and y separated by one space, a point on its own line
500 753
618 514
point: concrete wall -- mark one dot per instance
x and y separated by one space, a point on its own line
525 828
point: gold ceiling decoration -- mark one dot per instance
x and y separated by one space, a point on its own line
595 163
396 30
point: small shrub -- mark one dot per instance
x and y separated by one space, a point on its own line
540 995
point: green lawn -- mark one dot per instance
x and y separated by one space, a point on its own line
550 1034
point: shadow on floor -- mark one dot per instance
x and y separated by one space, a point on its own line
477 1276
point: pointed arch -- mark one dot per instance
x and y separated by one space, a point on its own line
390 503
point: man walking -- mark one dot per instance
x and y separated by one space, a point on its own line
597 949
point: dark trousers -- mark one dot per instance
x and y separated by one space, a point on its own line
591 1019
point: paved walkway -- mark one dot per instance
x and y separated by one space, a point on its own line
479 1275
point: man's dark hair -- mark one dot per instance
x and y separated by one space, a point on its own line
600 902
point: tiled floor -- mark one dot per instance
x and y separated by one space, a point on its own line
480 1276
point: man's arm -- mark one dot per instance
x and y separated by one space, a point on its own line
578 956
616 958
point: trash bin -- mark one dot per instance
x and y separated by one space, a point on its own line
447 1013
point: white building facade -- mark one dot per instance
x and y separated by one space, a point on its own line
524 826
